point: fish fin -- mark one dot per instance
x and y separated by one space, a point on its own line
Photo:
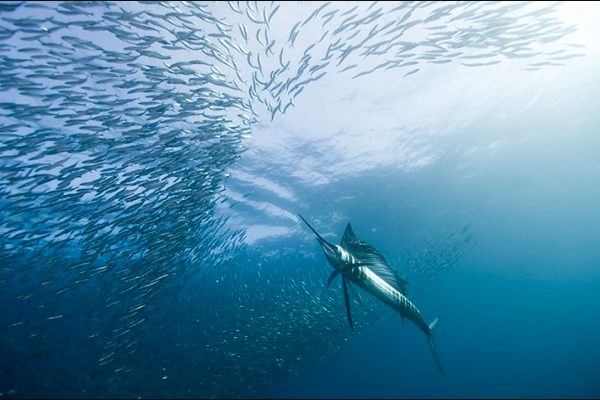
333 275
431 336
347 300
357 297
348 237
368 256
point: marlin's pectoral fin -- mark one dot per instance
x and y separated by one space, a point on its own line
333 275
347 300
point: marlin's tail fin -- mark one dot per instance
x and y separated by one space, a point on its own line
432 344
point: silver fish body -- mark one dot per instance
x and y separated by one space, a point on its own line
363 265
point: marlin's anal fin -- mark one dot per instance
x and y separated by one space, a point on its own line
333 275
357 297
347 300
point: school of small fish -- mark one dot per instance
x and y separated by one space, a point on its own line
118 121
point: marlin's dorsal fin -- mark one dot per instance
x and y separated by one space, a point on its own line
348 237
368 256
347 300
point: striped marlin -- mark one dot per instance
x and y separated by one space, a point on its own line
360 263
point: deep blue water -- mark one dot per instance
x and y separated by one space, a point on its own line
154 157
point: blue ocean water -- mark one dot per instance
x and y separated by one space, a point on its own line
154 158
